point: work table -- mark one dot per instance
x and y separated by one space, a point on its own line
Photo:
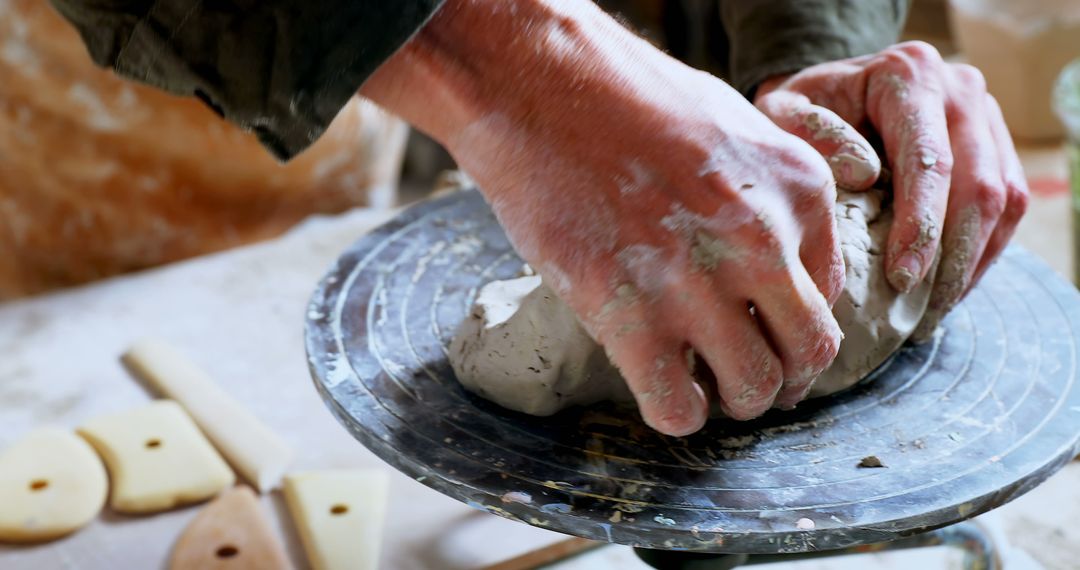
240 316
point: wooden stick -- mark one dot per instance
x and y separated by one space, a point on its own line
553 553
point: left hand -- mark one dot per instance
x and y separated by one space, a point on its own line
957 179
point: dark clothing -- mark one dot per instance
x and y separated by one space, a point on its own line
747 41
770 38
284 68
280 68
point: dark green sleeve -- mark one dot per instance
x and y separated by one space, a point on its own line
280 68
771 37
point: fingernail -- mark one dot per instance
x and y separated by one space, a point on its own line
851 167
788 403
687 417
904 276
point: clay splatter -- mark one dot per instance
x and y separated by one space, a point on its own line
871 462
664 520
517 497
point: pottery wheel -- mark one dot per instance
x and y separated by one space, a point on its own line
963 424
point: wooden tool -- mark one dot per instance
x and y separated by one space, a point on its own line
229 533
547 555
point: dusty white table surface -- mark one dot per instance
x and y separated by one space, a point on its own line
240 316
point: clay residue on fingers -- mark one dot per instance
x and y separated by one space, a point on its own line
617 317
756 378
895 83
636 178
646 266
626 296
716 162
928 160
680 220
954 274
926 234
681 411
707 252
823 130
556 278
852 166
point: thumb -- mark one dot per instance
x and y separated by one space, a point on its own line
854 163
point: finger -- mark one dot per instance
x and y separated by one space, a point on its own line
1016 189
808 221
747 371
838 86
853 161
905 103
819 250
977 196
801 326
658 373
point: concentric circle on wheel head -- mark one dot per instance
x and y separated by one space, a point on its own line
980 415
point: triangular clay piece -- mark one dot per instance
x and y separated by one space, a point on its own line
230 533
339 514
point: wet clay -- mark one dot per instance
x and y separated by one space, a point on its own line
524 349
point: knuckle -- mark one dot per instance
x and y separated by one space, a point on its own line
816 181
824 261
764 380
818 353
920 51
970 76
774 104
991 198
760 379
766 241
930 156
945 164
761 231
1018 200
899 62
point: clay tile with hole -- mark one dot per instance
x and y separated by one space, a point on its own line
231 533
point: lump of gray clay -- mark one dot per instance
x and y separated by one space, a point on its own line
524 349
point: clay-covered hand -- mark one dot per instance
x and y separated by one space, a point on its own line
957 179
656 201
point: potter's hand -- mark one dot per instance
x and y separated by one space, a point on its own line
953 162
656 201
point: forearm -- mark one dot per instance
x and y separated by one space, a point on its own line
522 61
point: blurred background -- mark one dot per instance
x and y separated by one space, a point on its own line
100 177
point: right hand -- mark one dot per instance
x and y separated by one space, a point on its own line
656 201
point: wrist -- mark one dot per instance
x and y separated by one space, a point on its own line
444 77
